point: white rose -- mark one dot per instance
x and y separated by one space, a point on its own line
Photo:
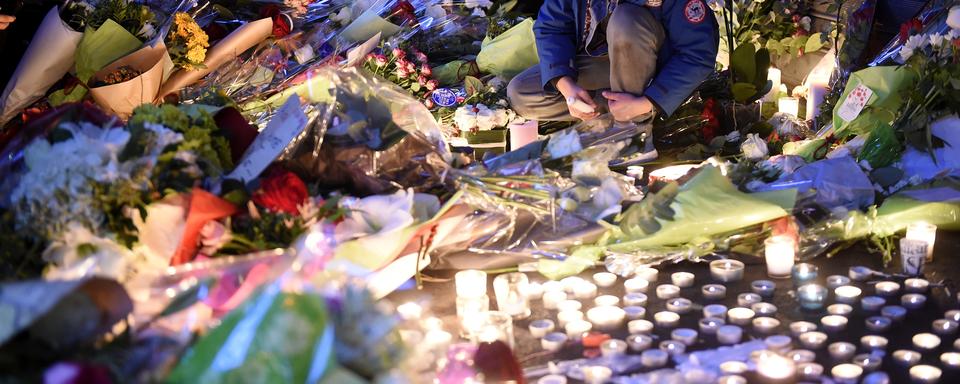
754 148
953 18
486 118
465 118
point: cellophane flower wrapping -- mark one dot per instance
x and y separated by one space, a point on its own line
509 53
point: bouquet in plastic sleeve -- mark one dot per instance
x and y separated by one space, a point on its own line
871 98
386 17
507 49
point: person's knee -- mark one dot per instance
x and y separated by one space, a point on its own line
516 95
629 24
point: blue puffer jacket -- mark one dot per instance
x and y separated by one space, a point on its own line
686 58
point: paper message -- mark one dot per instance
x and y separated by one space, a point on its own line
285 125
855 102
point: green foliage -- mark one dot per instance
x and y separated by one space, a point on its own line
200 134
750 67
132 16
19 254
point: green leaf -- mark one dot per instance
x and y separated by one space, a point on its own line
472 85
744 63
814 43
763 67
743 91
415 87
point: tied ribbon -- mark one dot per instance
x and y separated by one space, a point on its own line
204 207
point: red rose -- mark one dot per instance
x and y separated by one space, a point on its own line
281 191
239 132
282 25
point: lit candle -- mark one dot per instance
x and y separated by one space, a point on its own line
673 347
841 351
945 327
913 300
552 286
839 309
596 374
764 309
779 254
818 87
682 279
606 318
540 328
878 323
551 299
668 291
813 340
686 336
847 294
800 327
952 314
916 285
859 273
570 283
634 312
471 283
569 306
926 341
907 357
804 273
726 271
551 379
647 273
639 343
510 290
709 325
604 279
585 290
748 299
789 106
553 341
714 291
666 319
868 362
635 299
636 285
834 323
847 373
925 374
639 327
950 360
613 347
835 281
733 367
811 296
874 342
923 231
765 325
654 358
872 303
679 305
913 255
575 329
773 75
764 288
438 340
887 288
810 371
606 301
565 317
802 356
740 315
534 291
774 366
715 310
729 334
894 312
731 379
410 311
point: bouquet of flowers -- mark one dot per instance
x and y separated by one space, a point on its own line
187 43
408 68
482 116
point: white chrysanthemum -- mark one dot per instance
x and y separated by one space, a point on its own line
912 44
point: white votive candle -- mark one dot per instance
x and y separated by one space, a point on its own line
606 318
565 317
868 362
666 319
729 334
553 341
834 323
952 314
540 328
872 303
839 309
802 356
733 367
923 231
596 374
859 273
764 309
639 327
569 305
945 327
653 358
894 312
800 327
835 281
841 351
874 342
636 299
913 300
748 299
847 373
714 292
709 325
647 273
950 360
534 291
740 315
731 379
551 299
916 285
686 336
726 271
779 255
471 283
887 288
585 291
906 357
926 341
774 366
682 279
813 340
847 294
765 325
636 285
679 305
606 301
604 279
809 371
635 312
552 285
410 311
552 379
639 342
878 323
570 283
575 329
613 347
667 291
715 310
925 374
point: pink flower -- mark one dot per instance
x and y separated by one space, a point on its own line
402 72
380 60
426 70
422 57
432 85
213 236
398 53
411 67
402 63
429 102
422 80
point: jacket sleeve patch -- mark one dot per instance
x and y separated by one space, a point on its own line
695 11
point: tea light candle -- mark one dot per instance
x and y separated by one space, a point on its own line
913 300
585 291
635 299
471 283
789 106
764 288
952 314
804 273
916 285
813 340
907 357
835 281
570 283
926 374
926 341
686 336
874 342
553 341
613 347
779 255
566 317
667 291
872 303
673 347
569 306
551 299
709 325
682 279
410 311
841 351
859 273
604 279
887 288
552 379
551 286
847 373
878 323
764 309
800 327
731 379
639 343
729 334
809 371
956 344
666 319
647 273
636 285
950 360
775 367
811 296
839 309
639 327
923 231
653 358
726 271
575 329
834 323
715 310
868 362
606 301
802 356
733 367
748 299
714 292
847 294
944 327
540 328
894 312
634 312
765 325
606 318
679 305
596 374
740 315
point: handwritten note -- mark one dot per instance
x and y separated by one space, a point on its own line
285 125
855 102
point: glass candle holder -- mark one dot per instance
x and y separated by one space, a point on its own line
604 279
778 343
748 299
764 309
872 303
634 312
907 357
926 341
709 325
773 366
540 328
835 281
640 342
715 310
647 273
490 326
847 294
874 342
606 318
682 279
635 299
916 285
764 288
878 323
765 325
714 292
804 273
779 255
887 288
471 283
925 374
639 327
811 296
893 312
726 271
800 327
510 290
813 340
606 301
729 334
913 300
636 285
789 106
666 319
834 323
679 305
668 291
913 256
925 232
468 307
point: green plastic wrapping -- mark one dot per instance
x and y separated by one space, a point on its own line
510 53
275 337
809 150
578 261
887 84
101 47
881 148
708 205
897 212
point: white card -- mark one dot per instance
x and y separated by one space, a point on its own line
855 102
285 125
359 53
